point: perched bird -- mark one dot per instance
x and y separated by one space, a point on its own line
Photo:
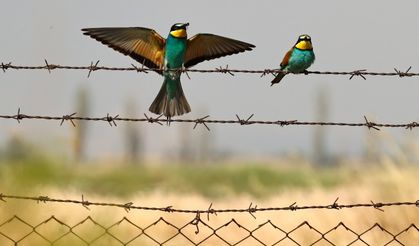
297 59
177 51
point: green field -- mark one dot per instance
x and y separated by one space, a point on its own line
215 180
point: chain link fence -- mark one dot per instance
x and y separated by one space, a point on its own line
88 231
168 225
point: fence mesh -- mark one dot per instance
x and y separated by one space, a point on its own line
88 231
78 222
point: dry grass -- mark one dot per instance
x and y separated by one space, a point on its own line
385 183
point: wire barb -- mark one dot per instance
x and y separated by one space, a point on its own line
168 209
5 66
210 211
252 210
360 73
335 204
224 70
377 206
92 68
185 71
49 67
127 206
244 122
412 125
68 117
202 121
152 120
18 117
286 122
293 206
43 199
370 124
403 74
85 203
111 120
138 69
266 72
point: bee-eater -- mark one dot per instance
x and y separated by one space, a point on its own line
176 51
297 59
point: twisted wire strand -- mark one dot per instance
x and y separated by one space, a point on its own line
205 121
251 209
226 70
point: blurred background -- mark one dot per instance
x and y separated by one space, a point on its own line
346 37
229 164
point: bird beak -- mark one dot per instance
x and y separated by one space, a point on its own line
185 25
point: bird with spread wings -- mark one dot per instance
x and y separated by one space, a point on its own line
167 56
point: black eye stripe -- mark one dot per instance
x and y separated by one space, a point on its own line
176 27
304 39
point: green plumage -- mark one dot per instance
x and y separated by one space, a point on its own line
150 49
297 59
171 100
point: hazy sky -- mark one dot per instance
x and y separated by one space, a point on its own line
347 35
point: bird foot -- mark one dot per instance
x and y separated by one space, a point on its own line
168 120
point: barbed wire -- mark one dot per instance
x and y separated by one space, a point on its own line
175 231
204 232
197 223
251 209
94 66
204 121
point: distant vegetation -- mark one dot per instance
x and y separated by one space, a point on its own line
26 169
214 181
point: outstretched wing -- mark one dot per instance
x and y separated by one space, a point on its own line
144 45
206 46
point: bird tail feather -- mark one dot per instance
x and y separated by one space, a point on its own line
278 78
170 106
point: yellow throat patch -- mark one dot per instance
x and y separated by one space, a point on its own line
304 45
180 33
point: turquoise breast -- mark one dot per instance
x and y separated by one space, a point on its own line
300 60
175 52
